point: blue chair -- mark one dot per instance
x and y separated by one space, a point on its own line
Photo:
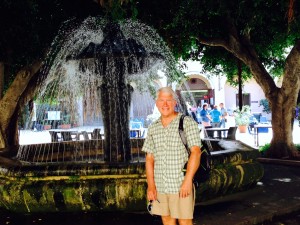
253 121
263 119
133 133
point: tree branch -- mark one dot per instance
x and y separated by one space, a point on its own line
242 48
212 41
291 73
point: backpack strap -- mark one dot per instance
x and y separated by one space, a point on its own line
182 134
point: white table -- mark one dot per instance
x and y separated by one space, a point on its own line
260 125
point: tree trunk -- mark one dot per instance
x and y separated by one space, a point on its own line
282 102
282 141
283 105
282 99
240 85
10 106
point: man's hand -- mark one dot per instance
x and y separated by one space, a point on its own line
151 193
186 188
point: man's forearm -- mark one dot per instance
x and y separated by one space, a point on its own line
150 170
194 162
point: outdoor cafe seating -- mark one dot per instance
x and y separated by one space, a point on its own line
63 135
216 132
73 135
136 127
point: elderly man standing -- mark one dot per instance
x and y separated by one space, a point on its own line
170 192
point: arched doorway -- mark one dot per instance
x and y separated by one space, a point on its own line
196 91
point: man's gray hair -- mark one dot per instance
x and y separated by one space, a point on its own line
168 90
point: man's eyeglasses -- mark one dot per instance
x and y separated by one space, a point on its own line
149 206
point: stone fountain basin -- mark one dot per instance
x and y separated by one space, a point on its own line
99 186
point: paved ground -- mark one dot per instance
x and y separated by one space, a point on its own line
277 194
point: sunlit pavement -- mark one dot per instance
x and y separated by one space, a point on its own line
35 137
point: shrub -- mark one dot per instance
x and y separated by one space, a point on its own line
266 147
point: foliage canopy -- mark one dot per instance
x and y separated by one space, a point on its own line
189 24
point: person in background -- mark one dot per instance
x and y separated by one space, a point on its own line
205 117
216 116
170 192
224 115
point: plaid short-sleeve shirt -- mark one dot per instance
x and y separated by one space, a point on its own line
169 152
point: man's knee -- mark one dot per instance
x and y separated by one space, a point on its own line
167 220
185 222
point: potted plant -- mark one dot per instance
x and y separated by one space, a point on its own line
66 123
242 118
47 124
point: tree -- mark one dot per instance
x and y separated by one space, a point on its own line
257 33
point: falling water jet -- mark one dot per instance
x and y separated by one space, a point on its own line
126 57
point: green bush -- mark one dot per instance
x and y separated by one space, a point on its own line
265 147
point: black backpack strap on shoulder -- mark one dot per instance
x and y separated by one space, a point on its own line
182 134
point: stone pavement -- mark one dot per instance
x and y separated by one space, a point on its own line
277 194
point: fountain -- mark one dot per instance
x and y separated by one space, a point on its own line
126 57
97 61
109 64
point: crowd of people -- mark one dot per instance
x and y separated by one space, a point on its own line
214 116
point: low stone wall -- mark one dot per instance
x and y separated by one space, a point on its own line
72 151
111 187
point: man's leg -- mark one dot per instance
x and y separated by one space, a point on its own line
185 222
167 220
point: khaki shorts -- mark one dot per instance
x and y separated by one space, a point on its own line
172 205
